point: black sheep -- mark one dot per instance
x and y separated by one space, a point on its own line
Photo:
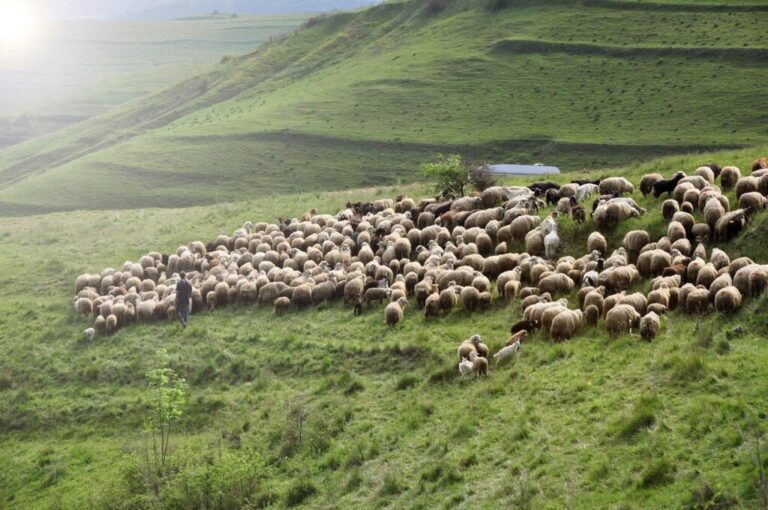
667 185
529 326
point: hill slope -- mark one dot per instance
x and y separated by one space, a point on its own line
591 423
360 98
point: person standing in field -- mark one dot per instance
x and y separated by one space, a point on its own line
183 298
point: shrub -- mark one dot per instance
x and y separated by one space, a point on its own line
707 498
448 174
436 6
480 177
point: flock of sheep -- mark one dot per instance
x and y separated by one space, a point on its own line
442 253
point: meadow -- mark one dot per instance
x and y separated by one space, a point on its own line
361 98
323 409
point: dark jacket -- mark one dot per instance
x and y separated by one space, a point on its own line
183 291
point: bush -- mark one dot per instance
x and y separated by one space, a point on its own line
480 177
436 6
449 175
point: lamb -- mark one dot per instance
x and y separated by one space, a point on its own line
592 315
466 367
727 300
479 364
507 352
90 334
646 183
649 326
667 185
393 313
613 185
281 305
565 325
596 242
621 319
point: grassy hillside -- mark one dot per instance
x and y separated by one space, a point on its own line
79 69
360 98
591 423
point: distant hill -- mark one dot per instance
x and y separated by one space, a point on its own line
359 99
159 9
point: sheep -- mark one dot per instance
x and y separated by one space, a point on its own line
100 324
393 313
281 305
479 364
621 319
727 300
676 231
592 315
615 185
466 367
759 164
469 297
666 185
586 191
729 176
507 351
668 208
557 283
468 346
730 225
721 282
746 184
634 241
697 301
753 200
658 308
713 211
89 334
449 299
529 326
706 173
596 242
551 243
111 325
649 326
378 294
646 183
565 325
595 298
432 306
84 306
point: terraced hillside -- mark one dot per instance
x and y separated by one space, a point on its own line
319 408
358 99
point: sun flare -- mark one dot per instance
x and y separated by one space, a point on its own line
18 24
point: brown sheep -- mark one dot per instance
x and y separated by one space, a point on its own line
621 319
449 298
650 326
557 283
745 185
518 336
479 364
468 346
727 300
668 208
469 297
592 315
657 308
759 163
634 241
432 306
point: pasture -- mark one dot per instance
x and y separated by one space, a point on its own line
386 420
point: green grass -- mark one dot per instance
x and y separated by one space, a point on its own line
116 61
362 98
590 423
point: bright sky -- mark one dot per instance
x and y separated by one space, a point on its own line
21 22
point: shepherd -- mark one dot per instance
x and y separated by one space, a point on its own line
183 298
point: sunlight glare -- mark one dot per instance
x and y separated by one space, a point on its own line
19 23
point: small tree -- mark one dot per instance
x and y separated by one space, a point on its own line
167 397
448 173
480 176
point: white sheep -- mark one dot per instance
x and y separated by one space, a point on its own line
551 243
90 334
507 352
466 367
586 191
